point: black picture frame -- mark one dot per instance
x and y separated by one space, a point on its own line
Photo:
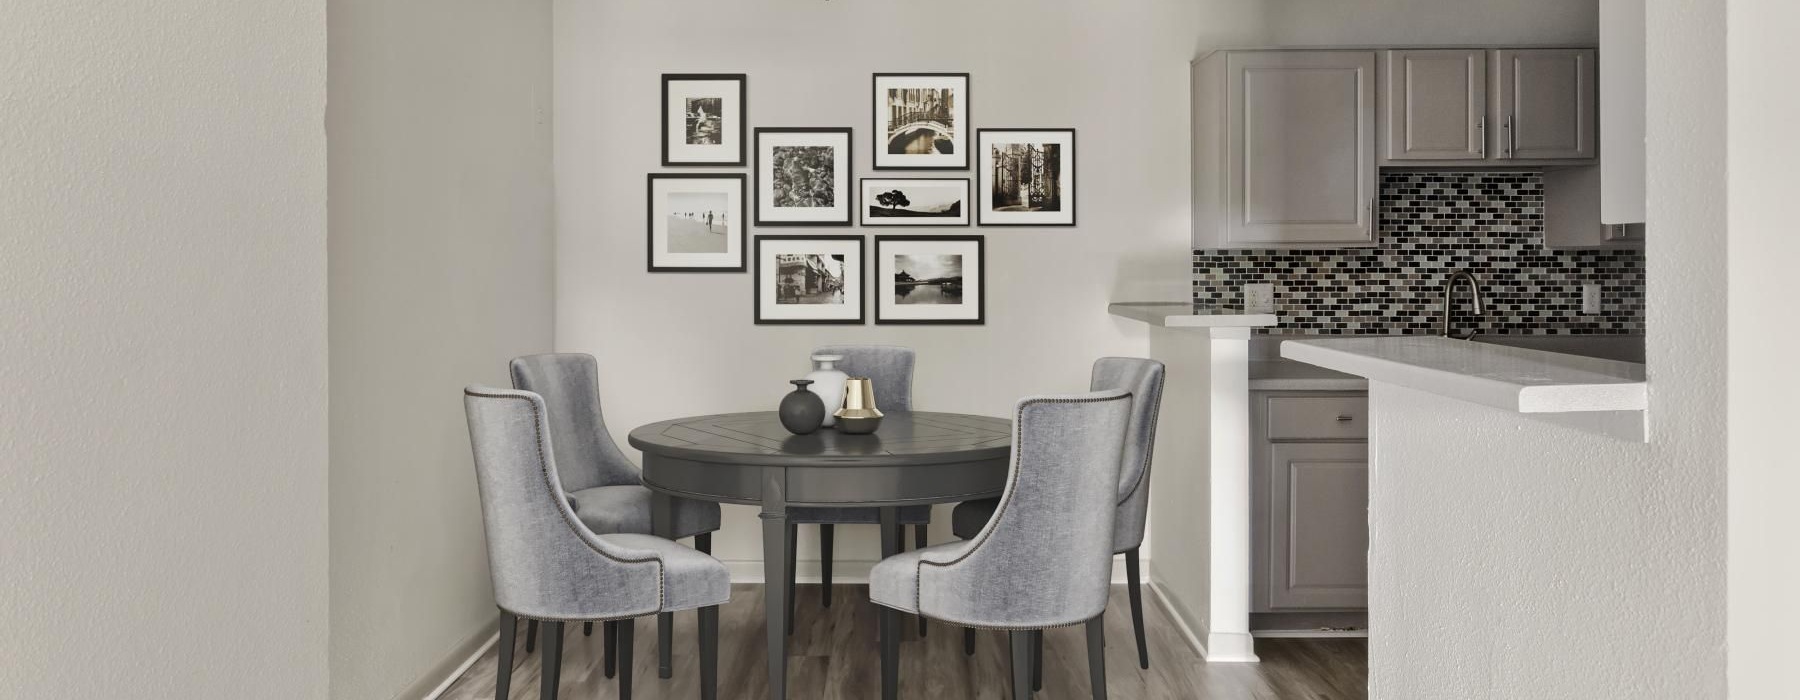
849 174
743 82
984 186
861 263
864 219
650 221
881 288
878 124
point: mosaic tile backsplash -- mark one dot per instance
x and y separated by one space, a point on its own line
1433 224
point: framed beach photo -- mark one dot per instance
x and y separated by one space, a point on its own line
803 176
809 279
1027 177
930 280
703 120
695 222
928 201
921 121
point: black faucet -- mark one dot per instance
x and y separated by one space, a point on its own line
1449 295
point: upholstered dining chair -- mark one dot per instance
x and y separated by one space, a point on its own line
605 489
1045 558
1144 379
547 565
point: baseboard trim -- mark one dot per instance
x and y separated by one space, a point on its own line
1214 648
1309 634
1231 647
1161 596
851 572
468 652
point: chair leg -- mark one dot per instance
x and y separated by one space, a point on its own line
1021 664
919 543
627 629
703 542
587 629
709 653
968 641
609 639
827 536
531 635
1037 661
552 660
1134 587
890 653
1096 643
509 632
793 535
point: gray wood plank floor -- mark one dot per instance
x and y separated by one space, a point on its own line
832 655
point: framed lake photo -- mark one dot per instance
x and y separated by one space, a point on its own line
921 121
703 119
809 279
695 222
915 201
930 280
1027 177
803 176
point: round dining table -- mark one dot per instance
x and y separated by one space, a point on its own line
915 457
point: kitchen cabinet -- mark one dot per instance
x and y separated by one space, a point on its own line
1547 104
1572 216
1622 185
1437 107
1310 501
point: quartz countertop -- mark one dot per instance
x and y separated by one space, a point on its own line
1178 314
1515 379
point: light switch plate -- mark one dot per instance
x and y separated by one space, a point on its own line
1259 298
1590 299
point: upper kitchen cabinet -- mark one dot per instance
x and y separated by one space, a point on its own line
1437 107
1284 149
1622 195
1488 108
1547 104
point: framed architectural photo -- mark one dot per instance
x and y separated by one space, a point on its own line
703 119
921 121
695 222
930 280
915 201
809 279
803 177
1027 177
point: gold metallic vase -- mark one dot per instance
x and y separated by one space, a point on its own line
858 415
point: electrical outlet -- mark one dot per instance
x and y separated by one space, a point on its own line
1259 298
1590 299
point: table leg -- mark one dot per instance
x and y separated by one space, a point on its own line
662 524
892 538
775 558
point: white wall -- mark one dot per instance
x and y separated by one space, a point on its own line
440 271
162 329
1412 22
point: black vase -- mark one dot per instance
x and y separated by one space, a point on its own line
802 412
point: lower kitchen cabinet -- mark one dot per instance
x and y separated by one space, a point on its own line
1310 501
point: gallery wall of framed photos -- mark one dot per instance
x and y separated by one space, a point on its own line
805 176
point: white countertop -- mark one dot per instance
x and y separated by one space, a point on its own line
1515 379
1180 314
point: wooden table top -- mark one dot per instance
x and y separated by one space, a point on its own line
757 439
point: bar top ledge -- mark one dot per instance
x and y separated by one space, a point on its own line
1180 314
1515 379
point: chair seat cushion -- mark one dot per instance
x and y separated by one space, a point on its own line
611 510
690 579
810 515
967 519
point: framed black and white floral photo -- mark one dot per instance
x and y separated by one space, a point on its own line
809 279
803 176
921 121
925 201
1027 177
703 119
695 222
930 280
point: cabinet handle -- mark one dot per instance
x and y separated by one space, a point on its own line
1506 137
1345 419
1481 128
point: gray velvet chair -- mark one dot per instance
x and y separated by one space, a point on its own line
1045 558
547 565
1144 379
605 489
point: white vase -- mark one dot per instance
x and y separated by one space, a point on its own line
828 383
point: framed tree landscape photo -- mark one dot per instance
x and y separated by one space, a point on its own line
915 202
921 121
1027 177
809 280
803 176
930 280
703 119
695 222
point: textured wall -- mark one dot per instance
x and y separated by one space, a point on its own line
440 272
162 329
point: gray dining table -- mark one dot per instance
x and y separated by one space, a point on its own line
915 457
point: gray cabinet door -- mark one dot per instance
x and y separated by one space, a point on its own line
1301 148
1437 104
1547 103
1318 525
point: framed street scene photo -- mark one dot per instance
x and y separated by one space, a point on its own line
696 222
703 119
915 201
929 280
921 121
809 279
1027 177
803 176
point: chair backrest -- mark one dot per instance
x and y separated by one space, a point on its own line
570 386
544 562
1045 558
890 367
1144 379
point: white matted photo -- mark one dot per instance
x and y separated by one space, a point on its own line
921 121
930 280
695 222
809 279
703 119
803 176
925 201
1027 177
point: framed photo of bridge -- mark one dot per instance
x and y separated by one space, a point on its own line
1027 177
935 280
921 121
915 201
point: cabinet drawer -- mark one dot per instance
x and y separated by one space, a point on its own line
1318 418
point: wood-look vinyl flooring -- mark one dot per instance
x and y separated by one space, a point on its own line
833 655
